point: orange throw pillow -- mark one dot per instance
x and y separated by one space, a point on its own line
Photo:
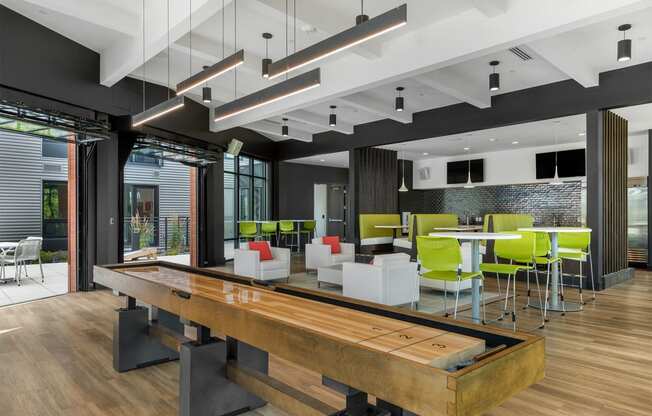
263 248
334 242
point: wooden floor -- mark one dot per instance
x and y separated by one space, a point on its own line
55 359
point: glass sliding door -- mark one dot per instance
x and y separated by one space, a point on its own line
637 220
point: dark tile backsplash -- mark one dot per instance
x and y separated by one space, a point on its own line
550 204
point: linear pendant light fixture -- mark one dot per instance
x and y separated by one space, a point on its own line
211 72
171 104
276 92
365 30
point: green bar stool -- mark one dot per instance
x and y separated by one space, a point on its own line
268 230
577 247
520 253
286 229
247 230
442 257
307 228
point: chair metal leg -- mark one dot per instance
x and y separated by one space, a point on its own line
589 257
545 305
581 284
40 265
514 303
509 278
484 305
445 303
457 296
18 273
527 278
543 318
561 285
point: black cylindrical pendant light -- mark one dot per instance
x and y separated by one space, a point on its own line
206 95
361 18
624 45
266 61
494 77
284 128
399 104
332 119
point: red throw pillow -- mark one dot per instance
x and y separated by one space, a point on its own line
263 248
334 242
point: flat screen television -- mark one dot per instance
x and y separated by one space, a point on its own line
458 172
570 163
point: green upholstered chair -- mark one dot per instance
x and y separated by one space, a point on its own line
577 247
248 230
372 236
521 254
442 259
308 229
268 230
286 230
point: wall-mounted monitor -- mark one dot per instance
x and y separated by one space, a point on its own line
458 172
570 163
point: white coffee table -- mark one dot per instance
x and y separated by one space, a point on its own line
330 274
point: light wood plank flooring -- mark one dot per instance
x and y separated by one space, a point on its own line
55 359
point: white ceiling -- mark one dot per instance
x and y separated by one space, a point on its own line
441 56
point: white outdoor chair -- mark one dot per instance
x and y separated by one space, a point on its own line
26 251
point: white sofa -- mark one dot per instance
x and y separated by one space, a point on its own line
391 279
319 254
452 286
247 263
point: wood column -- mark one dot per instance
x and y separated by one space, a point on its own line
607 194
73 266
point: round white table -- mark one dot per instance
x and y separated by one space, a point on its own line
460 228
475 239
555 305
7 245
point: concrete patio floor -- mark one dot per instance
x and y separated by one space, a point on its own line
56 283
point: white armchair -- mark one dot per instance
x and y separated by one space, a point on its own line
319 255
247 263
391 279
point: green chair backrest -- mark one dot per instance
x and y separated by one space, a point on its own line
369 221
543 245
521 250
577 241
427 222
286 226
268 227
510 222
439 254
308 225
247 228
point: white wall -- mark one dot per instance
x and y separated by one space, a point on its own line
500 168
518 165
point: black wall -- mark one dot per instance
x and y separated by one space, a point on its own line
295 185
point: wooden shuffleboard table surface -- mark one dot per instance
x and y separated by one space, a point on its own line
425 364
428 346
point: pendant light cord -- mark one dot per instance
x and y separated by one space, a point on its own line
287 12
223 14
235 46
143 55
168 18
294 9
190 40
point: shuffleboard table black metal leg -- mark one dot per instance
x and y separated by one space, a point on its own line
357 403
393 409
203 386
132 345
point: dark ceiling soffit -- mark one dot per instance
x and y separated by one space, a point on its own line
618 88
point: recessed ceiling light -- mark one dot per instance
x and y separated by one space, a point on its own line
581 134
467 148
492 140
426 153
515 142
322 160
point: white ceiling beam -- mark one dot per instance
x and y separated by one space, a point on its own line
95 12
327 22
269 127
320 121
251 63
449 82
563 55
122 58
491 8
363 102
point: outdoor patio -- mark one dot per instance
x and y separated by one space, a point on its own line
56 283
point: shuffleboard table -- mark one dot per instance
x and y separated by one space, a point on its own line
222 327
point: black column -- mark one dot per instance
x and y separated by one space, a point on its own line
649 200
211 214
352 201
86 215
595 187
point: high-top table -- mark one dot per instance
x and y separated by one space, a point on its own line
554 304
475 239
461 227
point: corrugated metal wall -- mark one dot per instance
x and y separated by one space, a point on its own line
21 169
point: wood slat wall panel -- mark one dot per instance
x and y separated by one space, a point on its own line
615 193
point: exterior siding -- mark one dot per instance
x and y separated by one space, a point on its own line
20 188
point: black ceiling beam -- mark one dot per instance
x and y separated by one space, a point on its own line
618 88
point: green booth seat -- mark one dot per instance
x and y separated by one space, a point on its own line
424 224
372 236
